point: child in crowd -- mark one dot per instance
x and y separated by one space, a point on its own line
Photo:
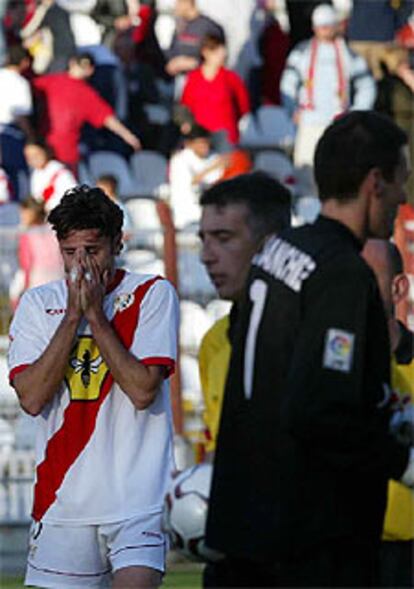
109 184
192 169
216 96
38 251
49 178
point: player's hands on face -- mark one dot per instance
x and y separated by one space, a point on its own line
74 309
92 289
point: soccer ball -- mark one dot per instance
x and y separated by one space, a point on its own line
185 512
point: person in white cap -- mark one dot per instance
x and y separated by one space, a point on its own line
322 79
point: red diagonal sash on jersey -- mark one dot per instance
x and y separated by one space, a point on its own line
79 420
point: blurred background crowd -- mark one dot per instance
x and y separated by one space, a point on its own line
154 100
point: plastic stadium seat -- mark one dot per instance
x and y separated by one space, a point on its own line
269 126
278 165
110 162
148 231
193 325
149 171
218 308
144 214
307 208
143 261
193 282
84 174
190 382
7 437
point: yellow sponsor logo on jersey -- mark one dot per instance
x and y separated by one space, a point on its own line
86 371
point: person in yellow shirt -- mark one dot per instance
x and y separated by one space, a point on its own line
237 216
396 566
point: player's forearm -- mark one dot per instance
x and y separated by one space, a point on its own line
37 384
139 382
115 125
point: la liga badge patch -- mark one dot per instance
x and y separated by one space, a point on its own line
339 350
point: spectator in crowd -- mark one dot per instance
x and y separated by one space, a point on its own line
371 33
139 25
322 79
216 96
242 53
262 57
273 46
9 212
109 185
305 448
110 82
18 13
3 45
184 54
67 102
105 13
15 111
86 30
49 178
192 168
6 189
397 548
38 251
53 18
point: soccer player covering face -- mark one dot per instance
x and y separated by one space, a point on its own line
89 357
305 448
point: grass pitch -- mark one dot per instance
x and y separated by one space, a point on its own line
185 576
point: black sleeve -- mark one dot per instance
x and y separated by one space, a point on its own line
334 401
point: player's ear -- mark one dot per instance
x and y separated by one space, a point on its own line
117 244
399 288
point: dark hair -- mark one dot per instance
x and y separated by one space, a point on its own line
16 54
82 58
267 200
350 147
212 41
84 207
38 142
196 132
37 206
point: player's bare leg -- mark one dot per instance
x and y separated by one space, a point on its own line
138 577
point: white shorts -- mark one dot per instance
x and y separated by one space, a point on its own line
86 556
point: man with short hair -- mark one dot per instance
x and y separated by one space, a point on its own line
90 357
396 561
15 111
191 169
322 79
192 26
237 216
67 102
305 448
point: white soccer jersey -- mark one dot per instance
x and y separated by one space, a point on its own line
49 183
99 459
